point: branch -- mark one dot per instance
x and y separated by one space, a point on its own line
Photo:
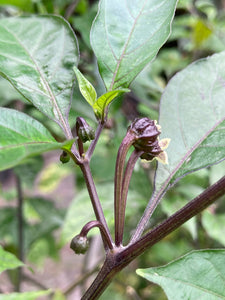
125 186
117 261
85 167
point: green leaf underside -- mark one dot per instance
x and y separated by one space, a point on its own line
20 137
192 115
86 88
197 275
8 261
37 55
24 296
126 35
102 103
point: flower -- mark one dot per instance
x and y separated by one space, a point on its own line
145 133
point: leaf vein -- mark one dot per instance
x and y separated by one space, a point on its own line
52 97
125 48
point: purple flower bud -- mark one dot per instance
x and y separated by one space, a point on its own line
146 132
144 128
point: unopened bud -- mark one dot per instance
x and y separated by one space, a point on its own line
84 130
64 157
79 244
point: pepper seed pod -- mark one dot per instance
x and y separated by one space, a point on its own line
84 130
64 157
79 244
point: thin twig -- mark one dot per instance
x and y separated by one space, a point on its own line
71 8
20 230
85 167
87 227
125 186
80 280
120 162
94 142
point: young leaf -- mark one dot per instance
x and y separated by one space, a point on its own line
8 261
37 55
197 275
20 137
86 88
126 35
101 105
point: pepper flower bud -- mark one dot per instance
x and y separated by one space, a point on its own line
84 130
64 157
79 244
146 133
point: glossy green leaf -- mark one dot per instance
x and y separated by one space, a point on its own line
37 55
197 275
126 35
24 296
20 137
86 88
102 103
192 115
8 261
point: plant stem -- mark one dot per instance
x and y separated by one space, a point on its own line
87 227
118 260
79 142
85 168
20 230
94 142
125 185
120 162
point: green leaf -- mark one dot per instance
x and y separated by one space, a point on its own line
86 88
24 296
8 261
197 275
25 5
214 224
37 55
192 115
101 105
20 137
8 93
126 35
44 210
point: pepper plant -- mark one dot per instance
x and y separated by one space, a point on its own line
39 56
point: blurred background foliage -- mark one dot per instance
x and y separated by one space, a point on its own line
55 201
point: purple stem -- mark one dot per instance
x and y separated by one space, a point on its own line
87 227
125 186
117 261
85 168
120 162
